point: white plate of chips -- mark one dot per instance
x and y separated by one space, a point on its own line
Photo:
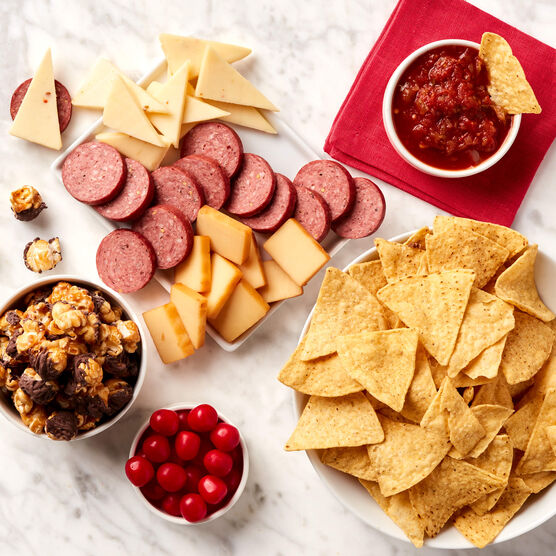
539 507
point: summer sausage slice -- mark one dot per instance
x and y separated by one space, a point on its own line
280 209
367 213
252 188
312 212
134 198
209 175
63 102
94 173
125 261
330 180
176 187
217 141
170 234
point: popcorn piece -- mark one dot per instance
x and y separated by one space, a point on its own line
120 366
90 332
22 402
35 420
85 422
110 341
87 374
49 361
32 335
95 403
61 425
26 203
119 394
76 296
40 391
130 335
9 322
65 317
108 314
40 255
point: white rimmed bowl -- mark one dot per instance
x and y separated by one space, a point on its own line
8 411
538 509
399 147
237 494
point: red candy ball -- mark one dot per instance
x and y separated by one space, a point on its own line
193 507
153 491
187 445
182 417
171 477
165 422
171 504
139 471
225 437
218 463
156 448
233 480
212 489
194 475
202 418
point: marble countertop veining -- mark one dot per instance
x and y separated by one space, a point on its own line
73 498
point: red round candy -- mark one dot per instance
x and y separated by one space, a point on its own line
139 471
225 437
193 507
206 446
202 418
187 445
153 491
182 417
218 463
171 477
233 480
171 504
212 489
165 422
194 475
156 448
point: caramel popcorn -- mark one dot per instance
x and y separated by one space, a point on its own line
26 203
110 340
9 322
77 297
35 421
22 402
65 317
108 314
90 331
40 255
40 391
32 335
61 425
129 333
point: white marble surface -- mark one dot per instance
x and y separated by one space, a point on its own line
73 498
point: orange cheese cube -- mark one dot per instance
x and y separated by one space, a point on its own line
225 276
192 309
279 284
194 271
252 268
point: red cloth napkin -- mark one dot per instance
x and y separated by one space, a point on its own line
358 139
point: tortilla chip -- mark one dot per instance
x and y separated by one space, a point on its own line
468 394
333 422
459 381
545 379
399 509
462 248
516 390
508 86
492 419
539 481
408 454
527 348
433 305
421 391
482 530
538 454
398 260
354 461
496 459
487 363
487 319
494 393
343 306
383 362
520 425
324 376
451 486
517 286
551 434
389 413
417 239
513 241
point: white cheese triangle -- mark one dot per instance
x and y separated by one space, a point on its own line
37 117
246 116
197 110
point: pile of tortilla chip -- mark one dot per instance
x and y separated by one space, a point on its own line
431 378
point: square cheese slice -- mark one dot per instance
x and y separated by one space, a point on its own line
194 271
296 251
168 333
279 284
224 277
228 237
252 268
244 308
192 309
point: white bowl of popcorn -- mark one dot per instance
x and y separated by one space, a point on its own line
72 358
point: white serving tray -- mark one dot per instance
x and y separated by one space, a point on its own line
286 152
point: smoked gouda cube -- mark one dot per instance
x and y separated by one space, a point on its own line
194 272
225 276
228 237
252 268
168 333
296 251
192 309
279 285
244 308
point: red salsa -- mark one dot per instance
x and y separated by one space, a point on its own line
443 113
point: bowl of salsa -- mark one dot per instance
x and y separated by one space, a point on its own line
439 116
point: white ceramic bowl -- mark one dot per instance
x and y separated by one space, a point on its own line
538 509
221 511
8 411
401 149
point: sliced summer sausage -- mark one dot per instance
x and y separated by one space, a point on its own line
312 212
136 195
125 261
367 213
330 180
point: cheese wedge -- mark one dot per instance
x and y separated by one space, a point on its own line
149 155
94 92
279 285
168 333
192 309
244 308
246 116
194 272
218 80
123 114
37 117
179 49
252 268
172 94
197 110
224 277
